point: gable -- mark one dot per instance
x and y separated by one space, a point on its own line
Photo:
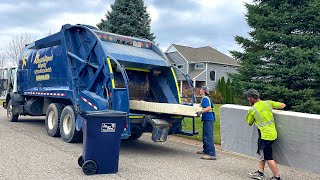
171 49
176 58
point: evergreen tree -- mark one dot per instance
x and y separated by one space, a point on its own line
223 90
233 92
219 86
128 18
281 58
228 92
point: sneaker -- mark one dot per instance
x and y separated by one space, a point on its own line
275 178
208 157
257 175
201 152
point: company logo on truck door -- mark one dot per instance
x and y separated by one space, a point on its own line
42 67
24 59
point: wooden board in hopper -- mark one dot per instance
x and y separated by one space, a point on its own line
176 109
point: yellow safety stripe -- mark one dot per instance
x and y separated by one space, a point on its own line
212 109
136 117
175 79
109 64
111 71
112 82
137 69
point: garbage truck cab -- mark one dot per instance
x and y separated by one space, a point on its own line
82 68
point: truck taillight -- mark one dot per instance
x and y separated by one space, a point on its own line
126 127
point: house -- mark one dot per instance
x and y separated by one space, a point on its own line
204 65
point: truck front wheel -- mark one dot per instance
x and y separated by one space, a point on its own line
68 126
10 113
52 121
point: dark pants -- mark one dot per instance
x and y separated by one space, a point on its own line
207 138
265 149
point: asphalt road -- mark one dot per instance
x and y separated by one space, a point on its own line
26 152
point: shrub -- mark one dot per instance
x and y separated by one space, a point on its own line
216 97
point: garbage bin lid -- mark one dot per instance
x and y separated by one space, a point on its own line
103 113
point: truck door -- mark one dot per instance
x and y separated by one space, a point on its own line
3 83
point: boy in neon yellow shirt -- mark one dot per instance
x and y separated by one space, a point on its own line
261 115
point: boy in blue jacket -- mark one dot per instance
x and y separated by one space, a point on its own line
208 118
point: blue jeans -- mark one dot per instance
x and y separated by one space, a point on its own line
207 138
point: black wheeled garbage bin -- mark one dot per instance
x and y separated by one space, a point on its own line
101 141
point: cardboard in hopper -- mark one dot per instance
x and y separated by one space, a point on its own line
175 109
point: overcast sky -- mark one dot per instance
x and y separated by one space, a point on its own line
194 23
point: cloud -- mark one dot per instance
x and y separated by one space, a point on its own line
215 23
189 22
36 14
175 5
42 17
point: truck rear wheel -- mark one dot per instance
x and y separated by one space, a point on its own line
52 121
68 126
10 113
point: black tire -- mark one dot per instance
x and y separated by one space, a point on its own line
89 167
10 113
135 136
80 161
52 121
68 126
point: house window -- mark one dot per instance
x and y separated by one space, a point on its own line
180 66
212 75
199 66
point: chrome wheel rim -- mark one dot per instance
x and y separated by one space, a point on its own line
51 122
67 124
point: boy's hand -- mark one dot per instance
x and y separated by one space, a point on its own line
199 113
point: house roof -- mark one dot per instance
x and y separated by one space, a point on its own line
171 56
204 54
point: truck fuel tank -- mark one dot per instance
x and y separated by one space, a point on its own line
32 107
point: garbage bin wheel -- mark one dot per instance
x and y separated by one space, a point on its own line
11 117
68 126
80 161
89 167
52 121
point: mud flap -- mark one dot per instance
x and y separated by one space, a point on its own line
79 123
160 129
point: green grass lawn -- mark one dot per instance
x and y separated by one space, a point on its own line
187 125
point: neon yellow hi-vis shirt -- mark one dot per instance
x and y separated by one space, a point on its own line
261 115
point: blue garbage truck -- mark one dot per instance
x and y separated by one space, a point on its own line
81 68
